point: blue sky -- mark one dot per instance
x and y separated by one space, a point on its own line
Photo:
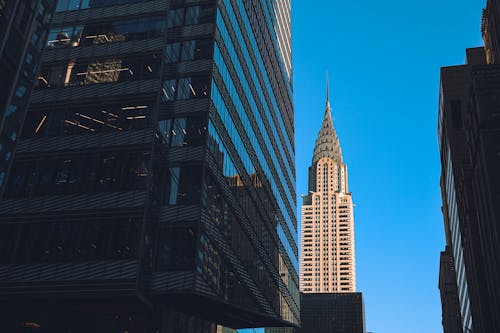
383 59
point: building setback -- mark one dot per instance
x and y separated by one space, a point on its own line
153 187
24 26
469 137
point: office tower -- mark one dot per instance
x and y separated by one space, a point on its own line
332 312
469 137
328 263
451 320
153 185
23 30
328 279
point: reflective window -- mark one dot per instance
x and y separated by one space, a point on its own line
214 202
185 88
64 5
181 132
183 185
85 72
176 17
172 52
191 16
6 147
93 173
109 32
277 187
69 241
188 50
77 120
176 249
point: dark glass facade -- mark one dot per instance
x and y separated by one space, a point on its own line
332 312
24 26
155 172
469 138
451 318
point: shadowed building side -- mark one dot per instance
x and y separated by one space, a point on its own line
332 313
451 319
153 186
469 137
24 26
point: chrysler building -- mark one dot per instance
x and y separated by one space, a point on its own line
327 257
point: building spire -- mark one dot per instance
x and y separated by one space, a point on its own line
327 143
327 92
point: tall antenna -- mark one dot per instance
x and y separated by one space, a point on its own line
327 93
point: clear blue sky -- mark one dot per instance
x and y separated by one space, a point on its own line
383 58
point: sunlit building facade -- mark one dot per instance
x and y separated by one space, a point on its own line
327 238
153 188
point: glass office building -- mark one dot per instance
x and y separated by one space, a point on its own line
153 188
23 30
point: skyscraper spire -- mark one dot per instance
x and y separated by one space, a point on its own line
327 143
327 93
328 258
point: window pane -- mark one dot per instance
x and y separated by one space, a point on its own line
172 52
169 89
188 50
176 17
203 49
184 88
104 173
189 192
192 15
178 132
165 128
172 186
87 120
176 249
199 87
84 72
60 37
73 4
62 5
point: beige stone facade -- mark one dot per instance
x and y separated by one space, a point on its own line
327 238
